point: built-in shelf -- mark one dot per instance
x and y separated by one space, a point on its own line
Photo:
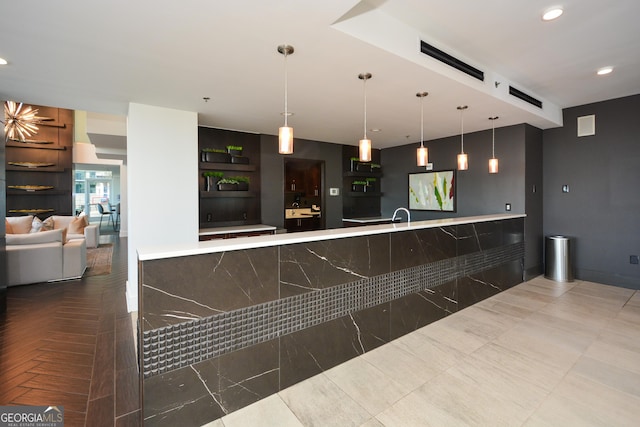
11 192
36 145
365 194
237 194
363 174
227 167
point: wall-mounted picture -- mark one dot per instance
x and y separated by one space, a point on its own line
433 191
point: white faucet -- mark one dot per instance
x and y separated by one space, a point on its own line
393 218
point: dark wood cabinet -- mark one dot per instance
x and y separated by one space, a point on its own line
229 208
39 174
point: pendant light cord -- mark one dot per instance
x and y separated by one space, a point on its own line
285 90
462 131
422 121
364 89
493 139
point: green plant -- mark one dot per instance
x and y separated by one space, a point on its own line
375 165
227 181
213 173
213 150
359 183
371 180
241 178
355 159
234 147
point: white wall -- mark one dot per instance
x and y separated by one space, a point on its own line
162 168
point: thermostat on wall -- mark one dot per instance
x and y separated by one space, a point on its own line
334 191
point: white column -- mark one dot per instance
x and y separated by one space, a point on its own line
162 176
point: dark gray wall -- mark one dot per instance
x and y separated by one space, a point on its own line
272 178
519 151
602 207
479 192
3 211
533 187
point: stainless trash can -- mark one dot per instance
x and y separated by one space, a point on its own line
558 258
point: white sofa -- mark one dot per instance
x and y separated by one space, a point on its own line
45 256
49 250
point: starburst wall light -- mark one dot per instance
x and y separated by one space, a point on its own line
20 121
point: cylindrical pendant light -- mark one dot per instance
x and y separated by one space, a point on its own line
493 162
463 160
285 133
365 143
422 154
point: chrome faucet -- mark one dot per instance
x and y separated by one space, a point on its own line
295 205
393 218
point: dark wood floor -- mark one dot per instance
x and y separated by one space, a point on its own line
71 344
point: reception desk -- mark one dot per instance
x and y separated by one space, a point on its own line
226 323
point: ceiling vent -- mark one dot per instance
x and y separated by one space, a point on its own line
523 96
451 61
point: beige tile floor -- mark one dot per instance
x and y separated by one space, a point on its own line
540 354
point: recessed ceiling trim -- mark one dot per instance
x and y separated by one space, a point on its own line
450 60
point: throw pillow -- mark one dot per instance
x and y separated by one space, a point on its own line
47 224
77 225
20 224
7 227
36 225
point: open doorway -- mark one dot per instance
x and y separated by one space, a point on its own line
93 187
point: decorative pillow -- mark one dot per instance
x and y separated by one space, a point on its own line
64 235
47 224
7 227
36 238
36 225
77 225
20 224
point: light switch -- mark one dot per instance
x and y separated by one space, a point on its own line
565 188
507 207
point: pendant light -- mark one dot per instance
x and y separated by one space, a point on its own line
422 154
365 143
463 160
493 162
285 133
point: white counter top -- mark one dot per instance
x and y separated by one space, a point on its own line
237 229
367 219
213 246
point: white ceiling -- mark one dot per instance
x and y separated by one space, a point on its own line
101 56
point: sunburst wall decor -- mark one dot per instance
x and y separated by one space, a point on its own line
20 121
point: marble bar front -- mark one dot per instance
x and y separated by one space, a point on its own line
226 323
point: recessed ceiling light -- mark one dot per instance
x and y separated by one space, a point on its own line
605 70
3 61
552 14
375 130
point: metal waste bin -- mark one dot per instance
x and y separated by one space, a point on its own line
558 258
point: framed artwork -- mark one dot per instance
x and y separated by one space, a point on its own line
433 191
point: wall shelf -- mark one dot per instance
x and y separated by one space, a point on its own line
218 194
227 167
36 145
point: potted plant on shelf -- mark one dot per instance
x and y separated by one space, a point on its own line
211 179
375 167
227 184
234 150
215 155
358 186
371 185
358 166
243 182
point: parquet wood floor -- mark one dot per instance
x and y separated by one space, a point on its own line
71 344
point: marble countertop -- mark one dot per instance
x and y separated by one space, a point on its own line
212 246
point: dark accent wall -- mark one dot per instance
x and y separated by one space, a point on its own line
3 210
519 151
533 189
603 174
272 177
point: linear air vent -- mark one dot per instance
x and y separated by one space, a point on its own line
526 98
451 61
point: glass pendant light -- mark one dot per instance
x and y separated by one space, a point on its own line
285 133
365 143
422 154
493 162
463 160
